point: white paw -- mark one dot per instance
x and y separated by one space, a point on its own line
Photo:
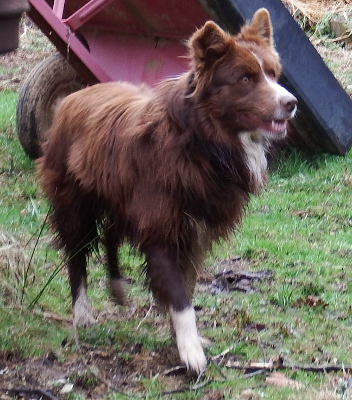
192 354
187 339
82 312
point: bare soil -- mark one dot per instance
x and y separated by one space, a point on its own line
94 371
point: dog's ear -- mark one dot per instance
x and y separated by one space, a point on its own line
260 26
209 43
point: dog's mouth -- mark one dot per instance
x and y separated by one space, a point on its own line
275 128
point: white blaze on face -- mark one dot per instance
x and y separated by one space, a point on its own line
187 339
281 95
272 126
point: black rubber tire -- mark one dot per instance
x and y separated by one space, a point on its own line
47 84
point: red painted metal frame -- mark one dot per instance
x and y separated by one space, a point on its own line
68 37
85 13
105 40
140 41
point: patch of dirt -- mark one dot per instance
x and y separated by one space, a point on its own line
233 275
91 372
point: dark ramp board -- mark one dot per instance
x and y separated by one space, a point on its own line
324 118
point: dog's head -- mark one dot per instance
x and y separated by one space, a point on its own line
236 78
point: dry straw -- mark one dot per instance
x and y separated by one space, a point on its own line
315 10
13 263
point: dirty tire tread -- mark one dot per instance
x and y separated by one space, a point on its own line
49 81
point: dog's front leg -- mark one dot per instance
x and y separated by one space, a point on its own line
167 282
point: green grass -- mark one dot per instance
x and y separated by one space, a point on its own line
300 228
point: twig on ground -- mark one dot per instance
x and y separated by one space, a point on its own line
187 388
145 317
226 351
52 316
222 354
172 370
223 376
181 390
318 368
39 393
277 363
199 377
269 366
255 373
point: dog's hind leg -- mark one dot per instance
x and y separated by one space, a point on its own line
116 283
82 312
76 235
167 281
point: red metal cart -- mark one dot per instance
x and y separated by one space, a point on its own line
103 40
142 41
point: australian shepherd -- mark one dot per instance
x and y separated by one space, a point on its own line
168 169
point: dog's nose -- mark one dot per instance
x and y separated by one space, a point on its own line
289 103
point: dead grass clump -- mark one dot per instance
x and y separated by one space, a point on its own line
16 65
334 388
342 68
13 265
315 10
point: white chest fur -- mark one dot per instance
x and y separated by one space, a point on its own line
254 149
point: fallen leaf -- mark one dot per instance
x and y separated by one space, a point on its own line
314 301
213 395
310 301
67 388
248 394
311 212
279 379
301 213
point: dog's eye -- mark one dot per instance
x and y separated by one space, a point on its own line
245 79
272 73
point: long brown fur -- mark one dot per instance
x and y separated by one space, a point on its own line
167 169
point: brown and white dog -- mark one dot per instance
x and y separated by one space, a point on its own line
169 169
